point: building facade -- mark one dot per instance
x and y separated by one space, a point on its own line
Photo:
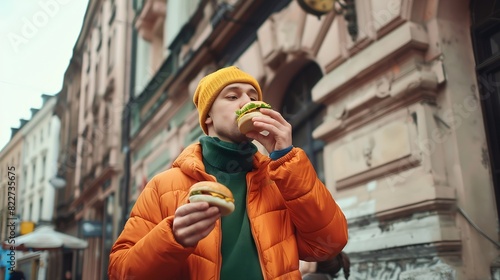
10 160
41 145
30 156
91 107
10 167
37 195
67 111
384 96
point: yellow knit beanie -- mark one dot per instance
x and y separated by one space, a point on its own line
211 85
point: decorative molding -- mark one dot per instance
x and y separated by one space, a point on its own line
150 19
382 96
393 15
365 153
435 229
409 36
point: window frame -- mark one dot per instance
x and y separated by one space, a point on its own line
305 79
488 64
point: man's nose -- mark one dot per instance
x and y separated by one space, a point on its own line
245 98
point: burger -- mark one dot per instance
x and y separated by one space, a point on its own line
247 112
215 194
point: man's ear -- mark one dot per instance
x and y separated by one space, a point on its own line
208 120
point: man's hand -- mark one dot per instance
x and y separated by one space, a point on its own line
193 222
280 131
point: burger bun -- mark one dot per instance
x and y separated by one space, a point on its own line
245 123
225 207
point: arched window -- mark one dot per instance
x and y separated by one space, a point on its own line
304 115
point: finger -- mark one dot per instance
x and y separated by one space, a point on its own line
207 231
272 127
275 130
277 139
199 229
188 234
192 240
194 213
274 115
257 137
275 120
191 207
182 224
266 141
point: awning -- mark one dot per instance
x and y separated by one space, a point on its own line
44 238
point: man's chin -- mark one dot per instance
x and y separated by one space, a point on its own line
243 138
235 137
239 137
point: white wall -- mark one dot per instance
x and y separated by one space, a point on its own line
39 165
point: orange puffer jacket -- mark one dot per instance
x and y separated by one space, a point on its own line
291 213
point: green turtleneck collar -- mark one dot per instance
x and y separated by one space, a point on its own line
226 156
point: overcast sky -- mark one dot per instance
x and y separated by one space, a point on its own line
36 43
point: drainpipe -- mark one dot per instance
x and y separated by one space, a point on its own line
126 119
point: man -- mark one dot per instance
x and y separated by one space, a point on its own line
283 212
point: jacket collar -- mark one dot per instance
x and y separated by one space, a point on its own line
190 162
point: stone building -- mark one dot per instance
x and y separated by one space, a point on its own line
11 158
40 149
30 156
66 188
395 102
90 163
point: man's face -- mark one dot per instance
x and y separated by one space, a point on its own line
221 120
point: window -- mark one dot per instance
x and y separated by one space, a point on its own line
34 175
43 167
142 69
87 56
486 41
98 29
40 211
138 5
30 213
113 11
25 176
97 81
111 54
304 115
178 14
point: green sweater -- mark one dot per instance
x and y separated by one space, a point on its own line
229 163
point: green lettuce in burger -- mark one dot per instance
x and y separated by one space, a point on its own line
247 112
